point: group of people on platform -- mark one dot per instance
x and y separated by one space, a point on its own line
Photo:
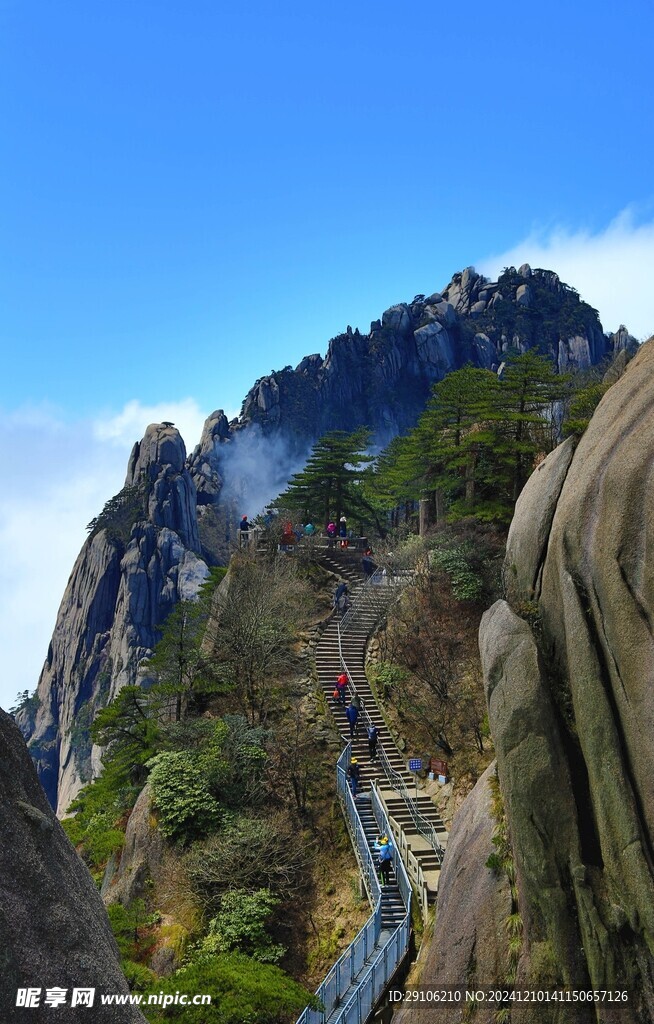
292 534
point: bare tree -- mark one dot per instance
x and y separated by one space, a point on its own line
255 615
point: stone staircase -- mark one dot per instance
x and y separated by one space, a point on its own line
392 905
421 860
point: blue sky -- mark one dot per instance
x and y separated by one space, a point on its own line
194 194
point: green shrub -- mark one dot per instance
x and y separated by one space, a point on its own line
180 793
242 990
467 584
139 977
241 927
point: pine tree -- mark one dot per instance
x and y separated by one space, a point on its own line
329 486
522 417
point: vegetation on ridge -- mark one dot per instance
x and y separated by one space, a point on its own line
241 794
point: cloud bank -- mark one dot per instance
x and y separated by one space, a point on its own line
57 475
611 269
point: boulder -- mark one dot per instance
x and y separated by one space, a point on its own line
571 705
524 295
141 857
468 947
397 318
54 930
434 348
526 548
484 351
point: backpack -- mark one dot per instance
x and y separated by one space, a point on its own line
372 732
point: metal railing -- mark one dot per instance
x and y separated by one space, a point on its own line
370 961
369 597
423 825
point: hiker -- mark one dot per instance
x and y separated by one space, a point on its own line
352 715
342 531
309 530
384 858
244 531
356 701
288 537
341 591
368 565
331 534
354 772
341 687
373 736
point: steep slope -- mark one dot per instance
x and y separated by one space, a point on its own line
146 550
54 930
142 557
568 664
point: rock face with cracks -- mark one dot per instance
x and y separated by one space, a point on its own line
571 700
123 585
54 930
568 662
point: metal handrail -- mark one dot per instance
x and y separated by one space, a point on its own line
349 965
375 580
423 825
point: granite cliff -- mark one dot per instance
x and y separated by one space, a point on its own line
568 663
141 557
382 379
54 930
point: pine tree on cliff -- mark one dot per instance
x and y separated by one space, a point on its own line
522 416
330 484
441 458
475 445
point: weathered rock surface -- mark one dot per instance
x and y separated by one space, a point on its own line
572 706
54 930
140 858
465 948
119 592
383 379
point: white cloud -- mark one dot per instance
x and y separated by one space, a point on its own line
57 475
129 424
611 269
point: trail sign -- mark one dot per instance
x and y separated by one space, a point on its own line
415 764
438 766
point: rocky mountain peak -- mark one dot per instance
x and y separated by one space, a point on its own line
162 446
140 559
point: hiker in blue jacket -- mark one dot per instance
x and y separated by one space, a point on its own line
352 715
384 849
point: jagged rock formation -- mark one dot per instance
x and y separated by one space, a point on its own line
139 561
383 379
54 931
